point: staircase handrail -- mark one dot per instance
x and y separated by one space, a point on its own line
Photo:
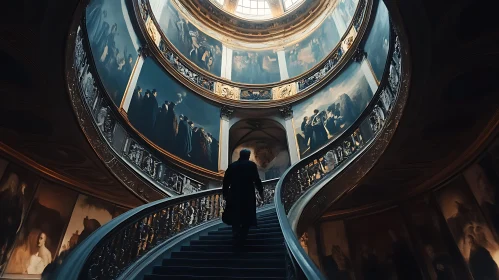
109 250
293 185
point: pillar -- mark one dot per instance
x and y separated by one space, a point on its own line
283 67
360 56
287 114
226 63
132 82
338 21
225 115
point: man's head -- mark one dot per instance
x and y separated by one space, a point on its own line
155 92
316 111
42 238
244 154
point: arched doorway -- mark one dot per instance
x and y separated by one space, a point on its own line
266 139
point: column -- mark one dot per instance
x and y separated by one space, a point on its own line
225 115
283 67
360 56
287 114
157 7
338 21
129 26
365 65
226 63
132 82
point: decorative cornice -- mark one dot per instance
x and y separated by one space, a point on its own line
227 91
226 113
286 112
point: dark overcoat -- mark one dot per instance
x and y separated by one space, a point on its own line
240 180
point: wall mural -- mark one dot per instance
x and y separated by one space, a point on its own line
305 54
175 118
322 117
37 247
476 240
200 48
336 261
448 234
88 215
17 188
378 41
255 67
41 220
113 50
384 251
440 257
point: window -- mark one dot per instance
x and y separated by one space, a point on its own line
259 8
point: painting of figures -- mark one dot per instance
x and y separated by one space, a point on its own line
307 53
434 243
113 49
88 215
481 178
475 239
255 67
378 41
37 244
175 118
336 261
198 47
17 188
322 117
384 251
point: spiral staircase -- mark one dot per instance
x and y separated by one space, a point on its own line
160 240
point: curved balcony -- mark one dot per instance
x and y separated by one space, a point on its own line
228 88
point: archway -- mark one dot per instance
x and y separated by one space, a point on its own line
266 139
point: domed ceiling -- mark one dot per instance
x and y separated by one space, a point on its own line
258 9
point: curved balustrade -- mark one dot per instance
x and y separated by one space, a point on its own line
112 248
318 168
242 92
120 141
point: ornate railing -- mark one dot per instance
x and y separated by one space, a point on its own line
112 248
318 168
321 73
115 134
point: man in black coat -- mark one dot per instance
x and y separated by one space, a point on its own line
238 190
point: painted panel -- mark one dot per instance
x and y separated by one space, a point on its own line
322 117
175 118
201 49
305 54
112 47
17 188
38 242
255 67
